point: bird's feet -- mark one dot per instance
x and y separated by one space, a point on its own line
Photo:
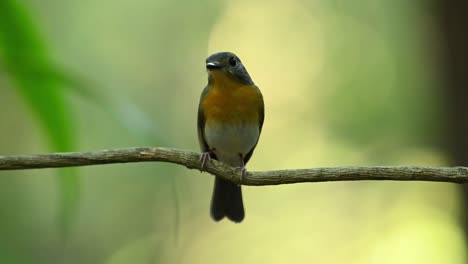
204 158
243 169
243 172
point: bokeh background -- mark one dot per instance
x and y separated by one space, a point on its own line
344 82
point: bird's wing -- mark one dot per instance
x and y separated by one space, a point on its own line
261 117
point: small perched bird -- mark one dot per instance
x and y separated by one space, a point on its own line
230 119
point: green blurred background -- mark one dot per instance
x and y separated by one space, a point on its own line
344 83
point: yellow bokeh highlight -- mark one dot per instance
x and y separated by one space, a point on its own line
282 56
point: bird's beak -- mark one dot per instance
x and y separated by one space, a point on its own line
212 65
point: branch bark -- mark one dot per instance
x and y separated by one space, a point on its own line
191 159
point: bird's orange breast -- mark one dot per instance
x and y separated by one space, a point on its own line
229 101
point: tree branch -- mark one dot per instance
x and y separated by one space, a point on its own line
191 160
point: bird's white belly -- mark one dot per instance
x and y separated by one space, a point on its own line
231 141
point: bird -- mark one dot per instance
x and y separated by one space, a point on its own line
231 112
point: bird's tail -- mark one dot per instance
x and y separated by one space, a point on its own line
227 201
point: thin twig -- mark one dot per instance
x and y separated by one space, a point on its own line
191 160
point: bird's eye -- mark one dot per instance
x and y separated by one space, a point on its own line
233 61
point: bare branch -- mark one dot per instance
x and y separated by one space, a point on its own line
191 159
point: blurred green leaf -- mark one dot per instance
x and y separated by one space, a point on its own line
27 62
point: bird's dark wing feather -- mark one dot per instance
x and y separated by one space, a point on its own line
261 115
